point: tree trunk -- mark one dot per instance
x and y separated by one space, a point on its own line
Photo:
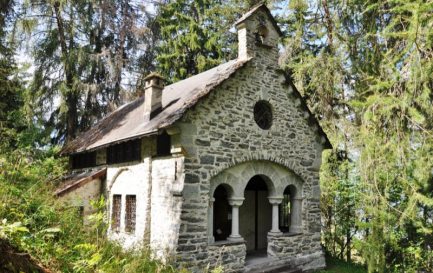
71 97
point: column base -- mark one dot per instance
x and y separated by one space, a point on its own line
275 233
235 238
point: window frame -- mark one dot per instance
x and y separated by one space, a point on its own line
130 213
124 152
116 212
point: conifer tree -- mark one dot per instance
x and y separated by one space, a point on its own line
85 56
195 37
366 68
12 90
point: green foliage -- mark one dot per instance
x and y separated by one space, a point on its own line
33 220
366 69
339 203
195 36
334 265
87 56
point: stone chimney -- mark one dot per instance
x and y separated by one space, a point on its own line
154 84
258 34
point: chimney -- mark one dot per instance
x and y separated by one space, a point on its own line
154 84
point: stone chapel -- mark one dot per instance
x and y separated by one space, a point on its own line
221 168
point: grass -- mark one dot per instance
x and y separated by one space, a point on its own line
339 266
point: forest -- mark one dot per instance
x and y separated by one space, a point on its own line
365 68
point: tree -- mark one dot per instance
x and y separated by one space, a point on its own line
366 69
195 36
12 90
84 54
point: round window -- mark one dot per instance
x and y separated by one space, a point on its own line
263 114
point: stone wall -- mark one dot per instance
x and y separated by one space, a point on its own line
167 183
293 245
220 132
157 183
231 256
130 179
82 196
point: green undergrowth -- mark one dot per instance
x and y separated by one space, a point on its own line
334 265
35 222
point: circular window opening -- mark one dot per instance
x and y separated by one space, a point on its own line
263 114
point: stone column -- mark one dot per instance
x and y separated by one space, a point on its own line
235 203
275 201
211 239
296 215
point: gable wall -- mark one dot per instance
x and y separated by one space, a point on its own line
221 132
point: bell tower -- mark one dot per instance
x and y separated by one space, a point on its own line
258 34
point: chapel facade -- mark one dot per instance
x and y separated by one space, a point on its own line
221 168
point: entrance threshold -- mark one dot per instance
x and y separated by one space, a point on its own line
259 262
257 257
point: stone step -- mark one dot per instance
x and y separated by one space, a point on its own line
274 269
272 266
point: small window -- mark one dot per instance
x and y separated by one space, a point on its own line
115 214
163 145
124 152
130 214
85 160
263 114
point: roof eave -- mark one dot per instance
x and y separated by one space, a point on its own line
312 118
80 182
78 151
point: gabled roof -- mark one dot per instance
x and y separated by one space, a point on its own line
127 122
266 10
76 180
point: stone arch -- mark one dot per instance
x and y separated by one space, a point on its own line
113 180
293 166
235 178
276 176
225 179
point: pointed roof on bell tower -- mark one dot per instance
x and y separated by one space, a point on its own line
256 9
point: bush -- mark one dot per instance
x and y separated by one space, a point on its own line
34 221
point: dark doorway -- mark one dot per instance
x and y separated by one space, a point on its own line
255 215
221 214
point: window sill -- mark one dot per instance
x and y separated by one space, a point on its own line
227 243
291 234
285 234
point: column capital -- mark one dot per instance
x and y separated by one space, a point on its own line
236 201
275 200
211 200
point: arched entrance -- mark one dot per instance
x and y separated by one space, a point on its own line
254 191
255 215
